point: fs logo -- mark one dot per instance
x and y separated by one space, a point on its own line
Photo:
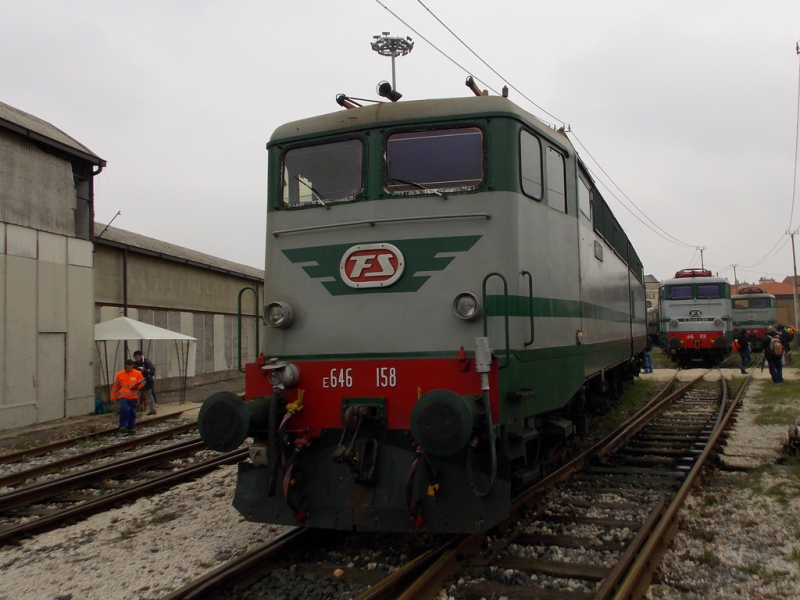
695 313
371 266
751 317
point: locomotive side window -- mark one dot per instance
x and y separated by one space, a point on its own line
708 291
556 183
680 292
530 157
315 175
584 198
436 159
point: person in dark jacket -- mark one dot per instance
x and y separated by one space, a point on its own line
744 350
648 356
773 359
148 371
786 339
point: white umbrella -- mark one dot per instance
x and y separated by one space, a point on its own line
123 328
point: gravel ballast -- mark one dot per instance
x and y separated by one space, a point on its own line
139 552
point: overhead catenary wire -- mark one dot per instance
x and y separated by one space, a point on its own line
506 81
669 237
635 216
599 166
653 226
773 251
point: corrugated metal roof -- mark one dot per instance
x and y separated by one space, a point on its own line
39 130
146 245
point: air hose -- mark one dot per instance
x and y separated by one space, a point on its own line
473 444
272 452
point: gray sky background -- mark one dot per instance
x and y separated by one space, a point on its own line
689 106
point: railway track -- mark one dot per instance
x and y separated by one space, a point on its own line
21 455
41 506
596 528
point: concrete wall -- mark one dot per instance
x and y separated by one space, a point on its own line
179 297
47 333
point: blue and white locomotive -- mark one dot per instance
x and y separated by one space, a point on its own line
449 300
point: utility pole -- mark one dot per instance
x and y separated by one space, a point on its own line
735 279
794 279
701 248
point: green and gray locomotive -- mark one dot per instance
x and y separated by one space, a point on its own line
449 301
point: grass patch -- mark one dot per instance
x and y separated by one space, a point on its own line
163 518
779 494
752 481
750 569
710 559
796 556
661 360
635 397
777 404
710 500
132 529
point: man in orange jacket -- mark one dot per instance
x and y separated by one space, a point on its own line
127 384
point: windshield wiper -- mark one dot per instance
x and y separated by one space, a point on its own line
419 186
313 191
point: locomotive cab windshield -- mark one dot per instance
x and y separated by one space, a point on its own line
450 159
321 173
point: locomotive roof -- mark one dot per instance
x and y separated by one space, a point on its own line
756 295
419 111
691 280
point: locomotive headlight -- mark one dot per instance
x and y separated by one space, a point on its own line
673 323
467 306
278 314
717 322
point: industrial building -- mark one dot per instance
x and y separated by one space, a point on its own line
47 345
60 273
182 290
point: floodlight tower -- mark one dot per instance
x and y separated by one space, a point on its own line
386 45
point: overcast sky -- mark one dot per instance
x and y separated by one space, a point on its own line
689 106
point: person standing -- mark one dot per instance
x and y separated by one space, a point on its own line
743 350
127 384
786 340
148 370
648 356
773 351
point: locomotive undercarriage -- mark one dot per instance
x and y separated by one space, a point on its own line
369 478
408 490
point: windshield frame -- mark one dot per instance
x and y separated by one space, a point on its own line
315 203
422 188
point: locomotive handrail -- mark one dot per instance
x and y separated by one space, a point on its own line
530 303
239 321
505 315
373 222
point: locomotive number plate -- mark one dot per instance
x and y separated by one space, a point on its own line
385 377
